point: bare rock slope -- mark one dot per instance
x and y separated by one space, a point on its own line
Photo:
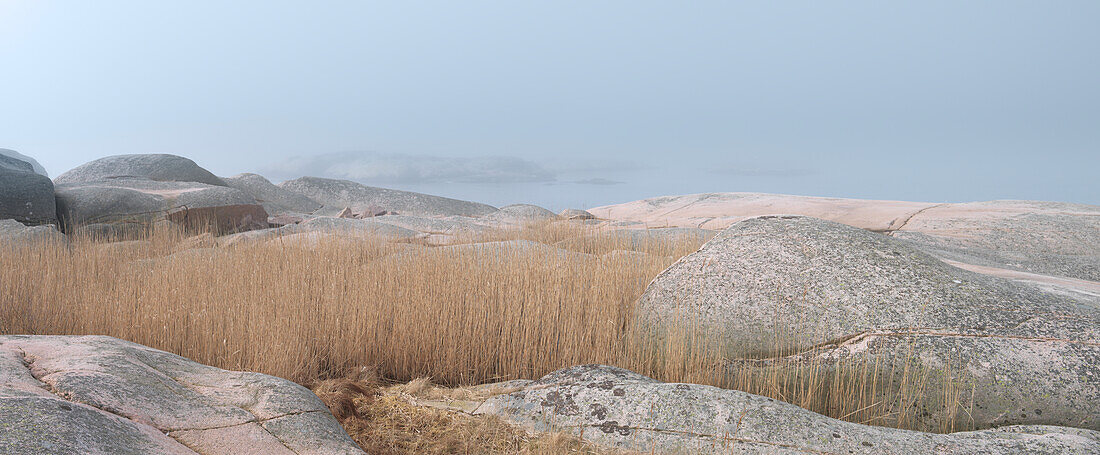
156 167
339 194
620 408
129 190
1049 243
272 197
773 285
100 395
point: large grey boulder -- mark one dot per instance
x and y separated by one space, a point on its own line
339 194
142 201
350 226
38 169
102 395
576 214
616 407
636 240
456 225
275 200
25 195
14 233
798 291
519 215
156 167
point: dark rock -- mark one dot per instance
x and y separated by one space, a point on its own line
25 195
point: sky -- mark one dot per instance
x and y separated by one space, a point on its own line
570 103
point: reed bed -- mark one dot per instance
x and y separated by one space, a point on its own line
317 310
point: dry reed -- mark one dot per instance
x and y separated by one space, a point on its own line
311 311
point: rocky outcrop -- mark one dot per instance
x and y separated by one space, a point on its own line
620 408
1047 238
25 195
636 240
155 167
14 233
275 200
519 215
1050 240
719 210
449 226
38 169
99 395
350 226
576 214
338 194
802 291
141 201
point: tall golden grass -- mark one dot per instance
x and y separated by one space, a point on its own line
310 311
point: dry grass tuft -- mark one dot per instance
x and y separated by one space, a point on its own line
387 421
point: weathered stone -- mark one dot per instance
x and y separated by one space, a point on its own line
1052 240
774 285
449 226
25 196
351 226
275 200
92 394
155 167
15 233
620 408
35 166
1048 238
576 214
337 194
519 215
142 202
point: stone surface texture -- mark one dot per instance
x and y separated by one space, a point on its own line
94 394
620 408
25 195
155 167
338 194
15 233
275 200
776 285
1051 241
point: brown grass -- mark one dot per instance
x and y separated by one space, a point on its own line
313 312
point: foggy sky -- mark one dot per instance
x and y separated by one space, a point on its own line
573 103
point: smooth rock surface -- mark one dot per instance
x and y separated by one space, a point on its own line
15 233
620 408
275 200
338 194
519 215
94 394
776 284
142 201
576 214
25 195
38 169
1054 239
155 167
333 225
